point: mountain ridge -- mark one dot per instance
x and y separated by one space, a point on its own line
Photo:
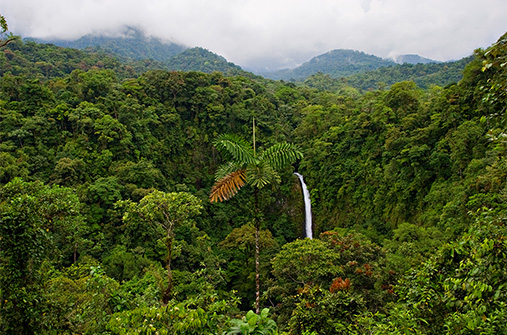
130 44
337 63
358 67
134 44
413 59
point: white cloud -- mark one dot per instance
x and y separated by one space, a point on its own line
277 33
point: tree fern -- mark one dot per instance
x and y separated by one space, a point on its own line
224 169
234 148
245 167
281 154
261 174
228 186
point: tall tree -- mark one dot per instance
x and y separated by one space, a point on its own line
164 211
245 166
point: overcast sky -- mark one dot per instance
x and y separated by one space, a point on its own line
273 34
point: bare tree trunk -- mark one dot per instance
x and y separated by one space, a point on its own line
167 293
257 253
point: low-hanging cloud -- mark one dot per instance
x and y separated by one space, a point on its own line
276 33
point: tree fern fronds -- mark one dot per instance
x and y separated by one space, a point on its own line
281 154
261 175
225 169
228 186
234 148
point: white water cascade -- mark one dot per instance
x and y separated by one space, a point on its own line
308 207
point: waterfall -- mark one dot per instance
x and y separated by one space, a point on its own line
308 207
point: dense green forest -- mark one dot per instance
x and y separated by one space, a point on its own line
136 50
329 71
130 43
339 68
424 75
107 225
336 63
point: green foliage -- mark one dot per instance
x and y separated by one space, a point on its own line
6 37
165 211
260 169
48 61
86 298
235 149
325 312
337 63
300 263
411 245
133 45
306 261
202 60
494 63
399 321
252 323
321 285
256 170
399 170
3 24
461 290
239 247
424 75
36 224
85 301
208 316
124 265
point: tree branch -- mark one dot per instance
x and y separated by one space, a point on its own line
4 43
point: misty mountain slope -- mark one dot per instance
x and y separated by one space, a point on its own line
136 48
48 61
413 59
202 60
424 75
133 44
336 63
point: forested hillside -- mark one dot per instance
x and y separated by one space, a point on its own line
413 59
336 63
47 61
354 68
106 223
145 53
202 60
424 75
129 44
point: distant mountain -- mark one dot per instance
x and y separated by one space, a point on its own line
132 44
336 63
413 59
202 60
35 60
424 75
147 53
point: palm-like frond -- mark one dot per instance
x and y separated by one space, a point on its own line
261 174
234 148
228 186
281 154
244 167
227 168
